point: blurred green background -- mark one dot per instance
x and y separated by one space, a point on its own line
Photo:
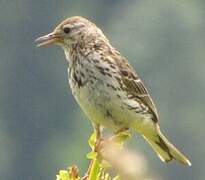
42 128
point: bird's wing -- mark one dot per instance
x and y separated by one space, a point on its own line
134 87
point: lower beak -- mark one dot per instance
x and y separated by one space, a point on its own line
48 39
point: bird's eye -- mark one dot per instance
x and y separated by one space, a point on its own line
66 30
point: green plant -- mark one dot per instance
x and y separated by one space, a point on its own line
99 165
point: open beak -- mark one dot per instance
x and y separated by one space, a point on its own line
48 39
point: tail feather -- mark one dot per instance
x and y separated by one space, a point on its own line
164 149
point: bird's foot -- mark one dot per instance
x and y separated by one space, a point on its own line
119 136
100 143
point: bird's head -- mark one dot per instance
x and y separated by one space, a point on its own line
72 30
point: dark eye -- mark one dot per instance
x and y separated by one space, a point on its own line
66 30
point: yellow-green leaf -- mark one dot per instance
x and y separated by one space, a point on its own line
91 155
92 140
63 175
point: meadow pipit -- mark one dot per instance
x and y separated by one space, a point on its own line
106 87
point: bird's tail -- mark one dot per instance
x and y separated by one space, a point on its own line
164 149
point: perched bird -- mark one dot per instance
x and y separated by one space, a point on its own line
106 87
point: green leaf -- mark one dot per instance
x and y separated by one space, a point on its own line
92 140
91 155
63 175
70 174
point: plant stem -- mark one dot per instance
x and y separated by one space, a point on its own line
94 170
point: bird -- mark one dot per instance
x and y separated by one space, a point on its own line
106 86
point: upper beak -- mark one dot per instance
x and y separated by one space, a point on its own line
48 39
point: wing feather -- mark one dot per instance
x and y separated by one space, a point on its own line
134 86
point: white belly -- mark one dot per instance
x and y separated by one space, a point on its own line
103 106
97 104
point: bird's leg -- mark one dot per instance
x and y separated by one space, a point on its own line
99 137
98 131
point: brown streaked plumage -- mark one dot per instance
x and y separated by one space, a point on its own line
106 87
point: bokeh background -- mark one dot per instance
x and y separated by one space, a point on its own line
42 128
